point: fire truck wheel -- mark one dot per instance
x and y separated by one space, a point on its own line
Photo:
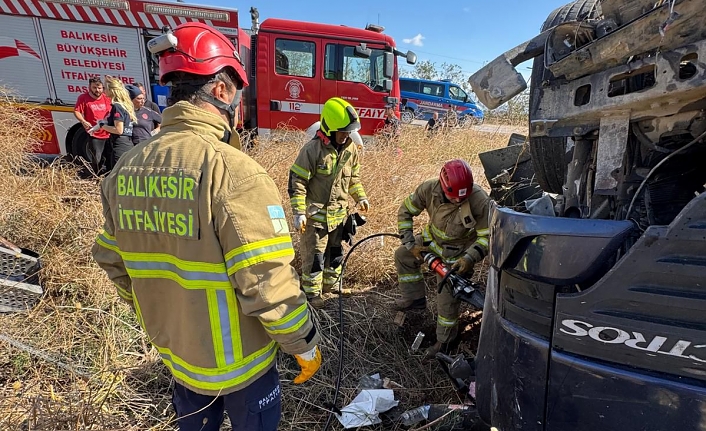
79 146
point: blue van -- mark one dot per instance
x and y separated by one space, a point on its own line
422 97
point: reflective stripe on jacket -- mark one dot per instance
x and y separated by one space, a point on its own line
195 238
321 179
453 228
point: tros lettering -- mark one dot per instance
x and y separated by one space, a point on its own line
634 340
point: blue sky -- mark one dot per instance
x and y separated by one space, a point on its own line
466 33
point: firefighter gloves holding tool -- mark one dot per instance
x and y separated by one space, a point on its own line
300 223
464 265
364 205
309 362
416 250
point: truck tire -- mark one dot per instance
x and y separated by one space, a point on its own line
549 153
79 146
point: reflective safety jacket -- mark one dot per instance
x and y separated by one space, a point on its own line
453 229
321 179
196 239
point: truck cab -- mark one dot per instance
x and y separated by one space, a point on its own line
595 300
301 65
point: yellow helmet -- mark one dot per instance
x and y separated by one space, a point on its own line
338 116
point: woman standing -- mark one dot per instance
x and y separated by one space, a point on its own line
121 119
148 121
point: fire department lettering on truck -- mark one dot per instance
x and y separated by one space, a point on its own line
635 340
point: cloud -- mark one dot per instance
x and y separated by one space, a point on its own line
416 40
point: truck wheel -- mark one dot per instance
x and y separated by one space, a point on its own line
549 153
79 147
407 116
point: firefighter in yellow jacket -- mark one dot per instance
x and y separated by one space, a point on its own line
196 240
325 173
457 232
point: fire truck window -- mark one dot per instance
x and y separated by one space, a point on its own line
355 69
365 70
295 58
330 62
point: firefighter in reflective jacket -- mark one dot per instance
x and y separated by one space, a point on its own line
457 232
325 173
196 241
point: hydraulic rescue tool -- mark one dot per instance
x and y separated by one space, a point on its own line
461 288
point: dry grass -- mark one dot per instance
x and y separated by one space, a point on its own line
117 381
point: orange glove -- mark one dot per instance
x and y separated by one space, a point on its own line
310 362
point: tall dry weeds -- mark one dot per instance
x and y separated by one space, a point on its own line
79 361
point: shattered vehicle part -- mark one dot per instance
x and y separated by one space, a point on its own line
19 280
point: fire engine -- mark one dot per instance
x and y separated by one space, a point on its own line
50 48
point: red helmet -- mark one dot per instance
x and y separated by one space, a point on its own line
199 50
456 179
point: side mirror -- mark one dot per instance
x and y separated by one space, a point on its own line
362 51
388 69
387 85
411 58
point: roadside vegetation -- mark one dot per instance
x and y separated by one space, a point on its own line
79 361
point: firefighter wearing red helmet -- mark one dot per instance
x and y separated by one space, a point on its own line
196 241
457 232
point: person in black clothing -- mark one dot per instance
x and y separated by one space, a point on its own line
148 103
148 121
391 129
433 124
121 118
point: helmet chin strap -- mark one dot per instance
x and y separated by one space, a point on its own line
228 108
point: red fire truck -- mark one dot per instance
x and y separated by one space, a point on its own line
50 48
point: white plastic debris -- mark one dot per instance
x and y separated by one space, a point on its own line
365 408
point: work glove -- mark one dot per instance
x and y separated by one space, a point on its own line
465 264
364 205
309 363
416 250
300 223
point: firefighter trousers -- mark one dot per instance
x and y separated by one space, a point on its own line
411 280
321 255
254 408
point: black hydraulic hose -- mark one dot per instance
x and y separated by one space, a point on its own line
340 320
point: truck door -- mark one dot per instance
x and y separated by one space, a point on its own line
293 81
581 333
629 352
358 80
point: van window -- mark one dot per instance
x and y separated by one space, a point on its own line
432 89
411 86
457 94
295 58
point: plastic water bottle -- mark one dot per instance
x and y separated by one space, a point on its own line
411 417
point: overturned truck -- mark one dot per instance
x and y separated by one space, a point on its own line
595 314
